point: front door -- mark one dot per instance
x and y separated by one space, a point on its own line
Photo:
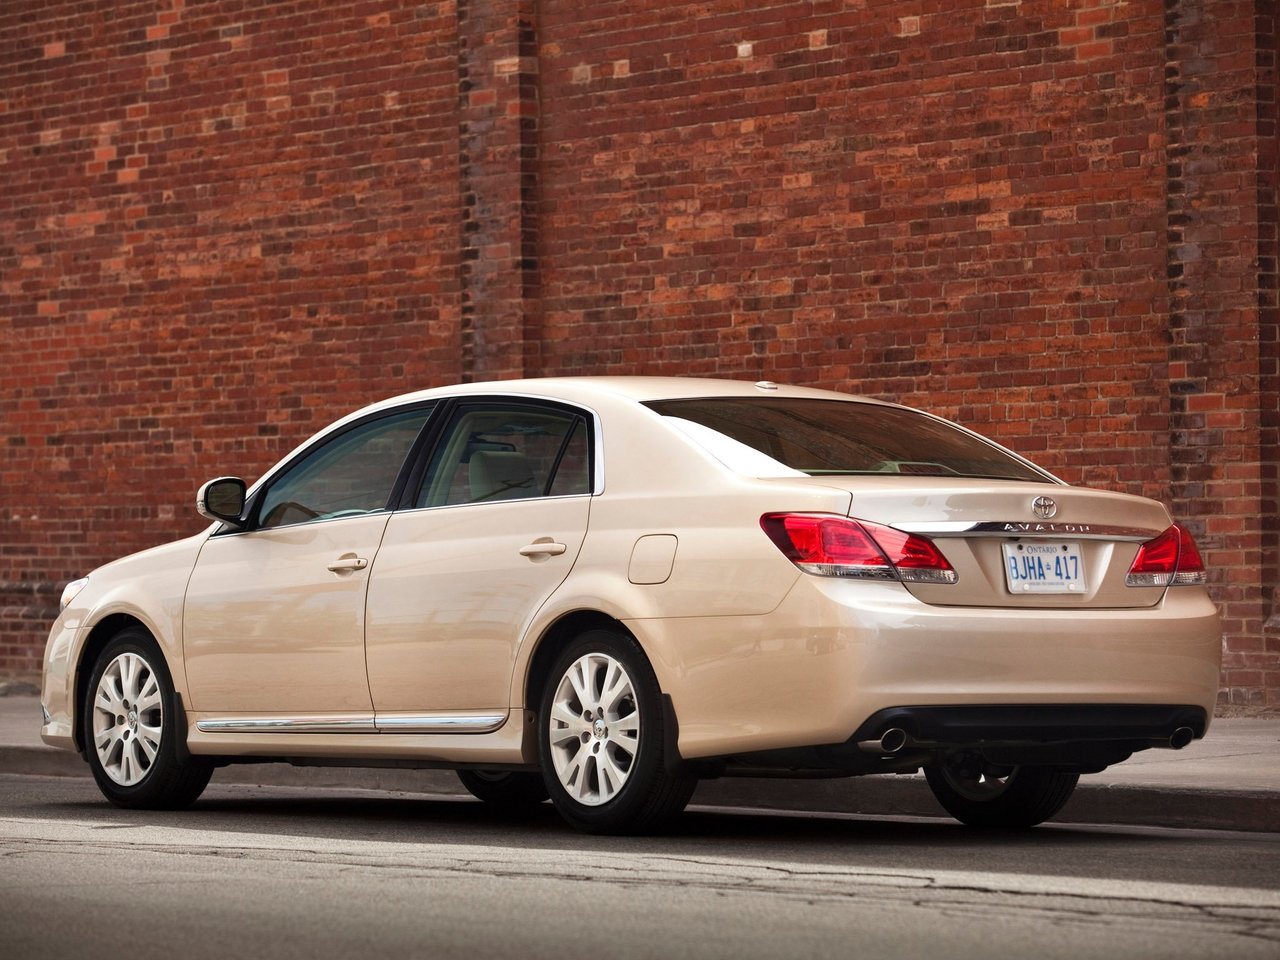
275 614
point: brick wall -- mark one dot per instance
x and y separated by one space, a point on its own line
958 211
1269 338
221 225
1220 108
1053 220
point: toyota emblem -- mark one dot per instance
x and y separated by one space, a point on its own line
1044 507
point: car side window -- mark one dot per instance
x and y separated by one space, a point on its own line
573 475
489 453
351 474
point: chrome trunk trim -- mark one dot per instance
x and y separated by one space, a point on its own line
1028 528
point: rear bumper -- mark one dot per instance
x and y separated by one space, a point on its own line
822 666
962 725
1079 737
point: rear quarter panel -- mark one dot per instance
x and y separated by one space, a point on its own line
657 482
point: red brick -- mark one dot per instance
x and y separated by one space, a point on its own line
362 201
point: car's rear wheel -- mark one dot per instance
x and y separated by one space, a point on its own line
601 739
505 790
131 732
984 794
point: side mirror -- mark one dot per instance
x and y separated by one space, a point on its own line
223 500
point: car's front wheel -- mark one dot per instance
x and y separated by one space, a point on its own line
131 731
984 794
601 739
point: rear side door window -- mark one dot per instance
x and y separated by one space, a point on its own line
490 452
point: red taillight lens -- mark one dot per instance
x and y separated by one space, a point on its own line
1171 559
811 540
1156 562
832 546
1190 565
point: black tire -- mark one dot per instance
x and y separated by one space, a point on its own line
647 797
982 794
141 766
505 790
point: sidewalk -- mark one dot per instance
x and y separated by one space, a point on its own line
1230 780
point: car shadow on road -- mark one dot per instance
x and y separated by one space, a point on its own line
337 814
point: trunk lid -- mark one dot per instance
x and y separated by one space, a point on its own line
1075 556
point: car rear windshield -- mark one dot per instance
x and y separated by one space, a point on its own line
822 437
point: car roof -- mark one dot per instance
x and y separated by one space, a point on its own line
638 389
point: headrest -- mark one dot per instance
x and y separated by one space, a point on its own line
500 475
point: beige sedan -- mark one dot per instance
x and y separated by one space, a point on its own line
602 590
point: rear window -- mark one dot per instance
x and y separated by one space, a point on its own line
824 437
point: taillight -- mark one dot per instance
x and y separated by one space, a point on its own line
1171 559
832 546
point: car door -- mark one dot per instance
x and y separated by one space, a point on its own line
491 531
274 615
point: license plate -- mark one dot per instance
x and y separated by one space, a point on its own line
1043 566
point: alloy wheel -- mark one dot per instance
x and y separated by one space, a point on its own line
594 728
128 719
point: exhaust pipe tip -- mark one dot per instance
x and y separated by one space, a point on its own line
890 742
1181 737
893 740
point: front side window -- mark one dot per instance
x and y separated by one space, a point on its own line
825 437
490 452
349 475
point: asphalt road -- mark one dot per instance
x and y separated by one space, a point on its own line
254 871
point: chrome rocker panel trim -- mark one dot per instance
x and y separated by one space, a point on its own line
443 723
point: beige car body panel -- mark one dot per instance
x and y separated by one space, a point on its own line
754 654
452 596
811 673
147 587
269 627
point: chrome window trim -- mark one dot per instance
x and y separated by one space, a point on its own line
1028 528
490 503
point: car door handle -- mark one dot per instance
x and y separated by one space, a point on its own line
543 548
348 563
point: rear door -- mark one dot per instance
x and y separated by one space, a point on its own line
491 530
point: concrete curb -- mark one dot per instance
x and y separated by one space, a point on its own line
908 796
1096 803
18 688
